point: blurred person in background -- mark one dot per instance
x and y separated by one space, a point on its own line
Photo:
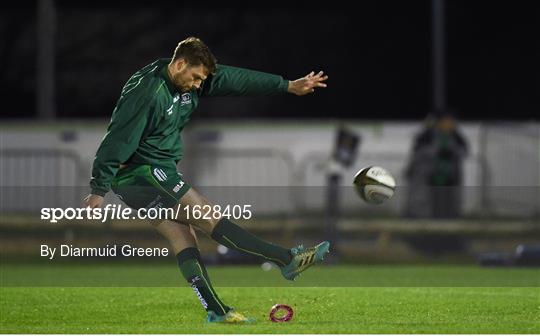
436 161
451 148
435 169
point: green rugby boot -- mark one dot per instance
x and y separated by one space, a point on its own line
304 258
231 317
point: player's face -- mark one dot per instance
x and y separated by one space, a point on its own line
190 77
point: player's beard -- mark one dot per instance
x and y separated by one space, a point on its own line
180 83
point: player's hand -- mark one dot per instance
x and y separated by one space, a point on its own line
93 201
307 84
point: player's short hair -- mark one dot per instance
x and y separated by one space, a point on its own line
195 52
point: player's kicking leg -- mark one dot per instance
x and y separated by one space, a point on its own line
291 261
183 241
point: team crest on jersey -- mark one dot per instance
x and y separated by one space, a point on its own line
186 99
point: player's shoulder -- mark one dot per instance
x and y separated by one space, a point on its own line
146 81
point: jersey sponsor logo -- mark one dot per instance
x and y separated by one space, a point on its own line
160 174
178 186
186 99
175 99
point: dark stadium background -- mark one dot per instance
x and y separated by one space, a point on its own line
377 54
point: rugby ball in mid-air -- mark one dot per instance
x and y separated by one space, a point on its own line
374 184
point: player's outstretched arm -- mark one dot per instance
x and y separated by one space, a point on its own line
307 84
233 81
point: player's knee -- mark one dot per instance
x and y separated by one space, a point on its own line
208 225
204 224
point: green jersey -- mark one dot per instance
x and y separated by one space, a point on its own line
147 121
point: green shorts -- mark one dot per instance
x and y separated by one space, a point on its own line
149 186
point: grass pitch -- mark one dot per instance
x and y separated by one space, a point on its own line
415 309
